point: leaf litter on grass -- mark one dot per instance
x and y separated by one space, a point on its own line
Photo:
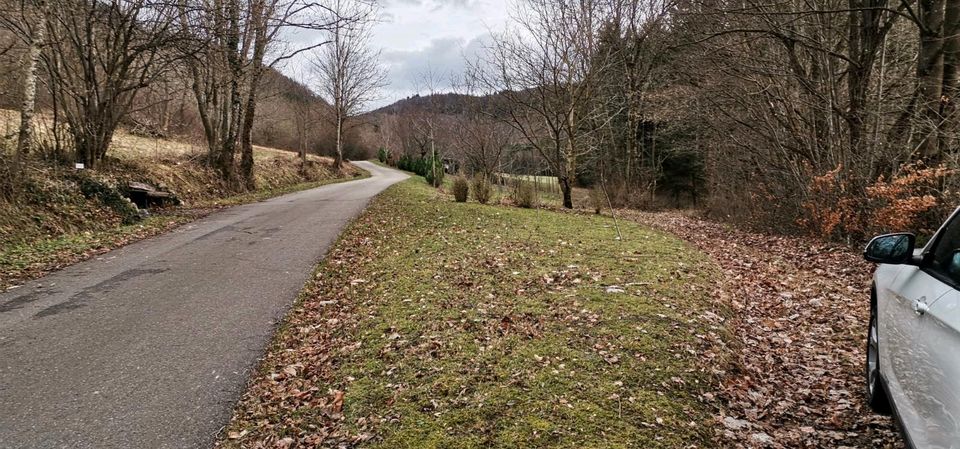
441 324
801 309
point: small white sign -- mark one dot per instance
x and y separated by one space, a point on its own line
79 165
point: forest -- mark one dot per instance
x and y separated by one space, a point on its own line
834 118
79 71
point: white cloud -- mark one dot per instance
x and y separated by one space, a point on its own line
433 37
441 62
421 36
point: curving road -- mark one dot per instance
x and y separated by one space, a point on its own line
151 345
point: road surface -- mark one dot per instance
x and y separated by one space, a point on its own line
151 345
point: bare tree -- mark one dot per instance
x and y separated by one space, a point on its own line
98 55
389 133
234 39
479 138
348 70
545 71
635 43
305 115
481 141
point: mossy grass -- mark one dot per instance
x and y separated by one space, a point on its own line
473 326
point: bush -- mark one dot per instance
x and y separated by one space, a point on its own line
434 176
426 167
460 189
524 194
404 163
913 199
482 190
383 155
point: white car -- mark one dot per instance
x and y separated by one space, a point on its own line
913 342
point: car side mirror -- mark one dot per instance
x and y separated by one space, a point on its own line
891 248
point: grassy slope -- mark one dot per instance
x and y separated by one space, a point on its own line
438 324
52 225
22 261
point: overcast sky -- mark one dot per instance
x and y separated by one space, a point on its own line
421 36
418 37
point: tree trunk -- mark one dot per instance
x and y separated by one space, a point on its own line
232 105
207 120
930 77
25 135
338 93
567 190
92 132
246 142
226 153
338 161
249 114
260 14
433 158
302 139
951 66
858 77
569 160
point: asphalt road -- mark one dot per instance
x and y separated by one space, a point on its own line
151 345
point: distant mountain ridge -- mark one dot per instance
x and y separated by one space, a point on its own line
444 103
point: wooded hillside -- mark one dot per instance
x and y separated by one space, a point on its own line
831 117
79 70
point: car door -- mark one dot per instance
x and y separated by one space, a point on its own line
920 332
901 345
938 384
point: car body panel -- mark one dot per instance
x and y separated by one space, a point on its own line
918 321
937 390
903 350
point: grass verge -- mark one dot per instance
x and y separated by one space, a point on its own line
29 260
439 324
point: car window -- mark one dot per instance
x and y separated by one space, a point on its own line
945 258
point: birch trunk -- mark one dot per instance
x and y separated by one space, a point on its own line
27 108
